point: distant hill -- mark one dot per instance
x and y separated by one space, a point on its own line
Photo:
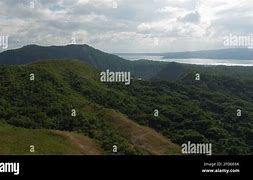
32 53
176 71
233 53
101 60
84 53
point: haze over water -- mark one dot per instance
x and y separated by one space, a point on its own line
226 62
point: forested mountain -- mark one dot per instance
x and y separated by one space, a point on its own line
141 68
84 53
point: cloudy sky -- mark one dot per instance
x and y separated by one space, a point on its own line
126 25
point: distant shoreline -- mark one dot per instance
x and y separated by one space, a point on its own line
196 61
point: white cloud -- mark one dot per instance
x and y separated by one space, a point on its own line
132 26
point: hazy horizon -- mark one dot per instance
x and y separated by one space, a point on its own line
119 53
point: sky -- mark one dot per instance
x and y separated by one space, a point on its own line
125 26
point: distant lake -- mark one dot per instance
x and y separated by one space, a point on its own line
226 62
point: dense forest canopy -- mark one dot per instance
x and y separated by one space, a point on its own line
189 110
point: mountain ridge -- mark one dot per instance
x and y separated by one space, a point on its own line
141 68
85 53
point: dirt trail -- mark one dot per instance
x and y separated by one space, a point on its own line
139 137
142 136
87 146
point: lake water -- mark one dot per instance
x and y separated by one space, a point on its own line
225 62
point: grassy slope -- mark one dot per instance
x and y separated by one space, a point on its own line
15 140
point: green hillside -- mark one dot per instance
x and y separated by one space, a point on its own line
190 110
47 102
115 114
